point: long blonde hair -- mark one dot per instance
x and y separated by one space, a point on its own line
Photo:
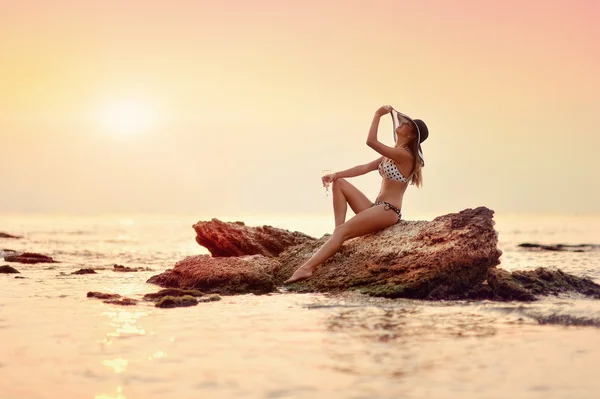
416 177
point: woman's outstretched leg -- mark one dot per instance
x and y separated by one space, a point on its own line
370 220
345 193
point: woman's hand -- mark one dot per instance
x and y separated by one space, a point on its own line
328 179
384 109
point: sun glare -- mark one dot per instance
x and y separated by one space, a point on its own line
127 118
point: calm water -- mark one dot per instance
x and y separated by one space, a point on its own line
56 343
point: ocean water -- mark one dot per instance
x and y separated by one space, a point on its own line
56 343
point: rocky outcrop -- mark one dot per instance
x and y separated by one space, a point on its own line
237 239
440 259
453 256
231 275
30 258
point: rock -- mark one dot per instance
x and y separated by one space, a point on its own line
440 259
210 298
6 269
172 292
451 257
231 275
176 301
85 271
560 247
121 301
102 295
121 268
19 277
29 257
4 235
530 285
237 239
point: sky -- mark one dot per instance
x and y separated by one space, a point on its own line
237 107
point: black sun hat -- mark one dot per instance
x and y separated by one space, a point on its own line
421 127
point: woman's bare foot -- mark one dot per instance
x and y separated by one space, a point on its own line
302 273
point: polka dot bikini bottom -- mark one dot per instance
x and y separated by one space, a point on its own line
389 206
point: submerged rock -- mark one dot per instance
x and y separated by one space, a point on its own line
5 235
210 298
6 269
85 271
123 269
231 275
29 257
124 301
172 292
530 285
176 301
237 239
560 247
102 295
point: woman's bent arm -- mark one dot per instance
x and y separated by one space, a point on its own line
358 170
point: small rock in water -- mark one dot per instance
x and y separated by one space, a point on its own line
560 247
210 298
85 271
8 269
121 268
175 292
5 235
176 301
102 295
30 258
121 301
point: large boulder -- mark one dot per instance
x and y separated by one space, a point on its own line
439 259
237 239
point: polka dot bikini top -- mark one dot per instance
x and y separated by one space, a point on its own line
389 170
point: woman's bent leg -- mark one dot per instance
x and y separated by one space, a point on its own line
368 221
345 194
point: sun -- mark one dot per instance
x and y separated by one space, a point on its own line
127 117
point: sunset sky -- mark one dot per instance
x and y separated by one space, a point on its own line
236 107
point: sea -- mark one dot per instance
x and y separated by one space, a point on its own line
57 343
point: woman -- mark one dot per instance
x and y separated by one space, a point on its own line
398 166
